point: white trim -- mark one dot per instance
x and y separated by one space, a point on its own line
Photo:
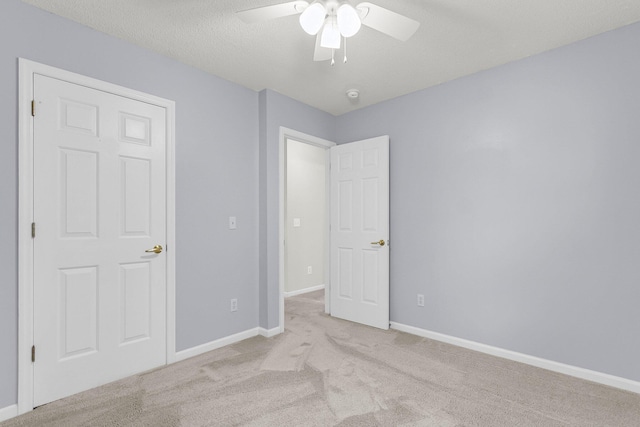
171 232
214 345
25 245
8 412
318 142
327 237
268 333
303 291
574 371
27 69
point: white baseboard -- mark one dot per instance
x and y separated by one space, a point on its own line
213 345
574 371
303 291
268 333
8 412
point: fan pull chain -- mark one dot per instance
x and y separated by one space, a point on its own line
333 60
345 50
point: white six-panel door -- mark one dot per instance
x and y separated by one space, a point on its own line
360 231
99 203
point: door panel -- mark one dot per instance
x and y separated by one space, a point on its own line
99 203
360 216
135 280
78 311
78 193
135 196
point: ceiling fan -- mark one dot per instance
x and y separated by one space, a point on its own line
335 20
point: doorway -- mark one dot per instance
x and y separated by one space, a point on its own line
356 254
313 149
305 220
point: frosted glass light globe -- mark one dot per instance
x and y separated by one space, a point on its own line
348 20
330 37
312 18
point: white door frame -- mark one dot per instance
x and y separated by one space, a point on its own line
27 70
322 143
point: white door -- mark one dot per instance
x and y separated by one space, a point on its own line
99 203
360 231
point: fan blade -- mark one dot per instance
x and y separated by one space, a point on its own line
387 22
266 13
321 53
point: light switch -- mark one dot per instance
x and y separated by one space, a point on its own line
232 223
296 222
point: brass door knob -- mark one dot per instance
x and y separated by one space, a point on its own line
381 243
156 249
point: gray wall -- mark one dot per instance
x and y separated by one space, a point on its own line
305 200
217 173
515 205
277 110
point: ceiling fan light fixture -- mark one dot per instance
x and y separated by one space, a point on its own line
312 18
332 20
348 20
330 37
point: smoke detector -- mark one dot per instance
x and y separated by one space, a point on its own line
353 93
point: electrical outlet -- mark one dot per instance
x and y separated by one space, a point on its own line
420 300
309 270
234 304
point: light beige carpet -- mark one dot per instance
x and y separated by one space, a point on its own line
325 372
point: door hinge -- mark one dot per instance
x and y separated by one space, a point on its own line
33 230
33 353
33 108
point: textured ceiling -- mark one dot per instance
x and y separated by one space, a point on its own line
456 38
